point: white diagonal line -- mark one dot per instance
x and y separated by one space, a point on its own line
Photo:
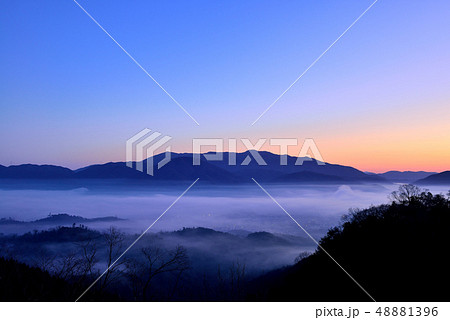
138 64
315 61
135 241
315 241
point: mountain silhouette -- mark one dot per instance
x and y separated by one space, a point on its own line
110 170
59 219
33 171
405 176
181 168
272 170
438 178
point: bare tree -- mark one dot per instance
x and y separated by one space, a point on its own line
237 277
88 249
44 260
66 266
221 287
230 285
114 239
153 262
405 194
301 256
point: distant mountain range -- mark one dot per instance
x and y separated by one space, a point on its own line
439 178
12 226
58 220
405 176
181 168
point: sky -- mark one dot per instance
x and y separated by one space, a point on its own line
378 100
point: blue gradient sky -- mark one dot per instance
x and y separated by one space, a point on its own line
378 100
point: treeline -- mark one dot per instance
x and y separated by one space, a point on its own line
81 255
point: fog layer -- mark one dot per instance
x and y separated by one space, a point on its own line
223 208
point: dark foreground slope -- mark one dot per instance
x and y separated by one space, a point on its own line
396 252
20 282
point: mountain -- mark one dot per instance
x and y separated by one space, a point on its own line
405 176
273 171
438 178
59 219
255 239
33 171
12 226
181 167
266 238
119 170
110 170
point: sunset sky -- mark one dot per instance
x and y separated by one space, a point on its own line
378 100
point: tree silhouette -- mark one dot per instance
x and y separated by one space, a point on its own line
405 194
114 240
153 262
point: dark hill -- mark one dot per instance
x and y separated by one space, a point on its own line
198 232
110 170
266 238
66 218
59 235
396 252
59 219
19 282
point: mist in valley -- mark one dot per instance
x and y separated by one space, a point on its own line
213 238
222 208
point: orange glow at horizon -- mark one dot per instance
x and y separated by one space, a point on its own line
421 148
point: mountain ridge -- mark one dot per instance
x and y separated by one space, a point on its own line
181 168
436 179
